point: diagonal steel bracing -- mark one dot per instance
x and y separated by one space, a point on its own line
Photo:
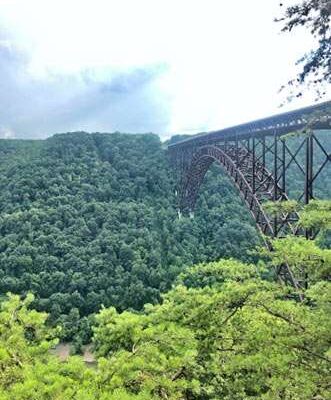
259 157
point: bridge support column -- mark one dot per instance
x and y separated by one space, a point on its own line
309 176
257 157
309 169
275 194
283 168
237 152
253 165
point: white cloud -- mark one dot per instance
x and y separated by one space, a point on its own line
6 133
223 61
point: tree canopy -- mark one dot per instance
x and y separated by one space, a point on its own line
87 220
92 246
222 332
313 15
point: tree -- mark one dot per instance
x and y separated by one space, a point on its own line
27 368
222 333
316 64
100 224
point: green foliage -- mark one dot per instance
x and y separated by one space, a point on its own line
210 274
245 338
149 359
308 261
22 337
87 220
315 17
317 215
222 332
27 371
302 256
277 208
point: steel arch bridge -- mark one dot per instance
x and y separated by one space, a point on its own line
259 157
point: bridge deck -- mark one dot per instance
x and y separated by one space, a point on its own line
317 116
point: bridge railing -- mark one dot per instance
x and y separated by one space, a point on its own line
317 117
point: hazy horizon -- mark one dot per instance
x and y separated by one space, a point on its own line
153 66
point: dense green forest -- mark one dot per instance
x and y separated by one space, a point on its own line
92 248
222 332
107 290
90 220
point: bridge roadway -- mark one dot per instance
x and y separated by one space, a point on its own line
318 116
258 157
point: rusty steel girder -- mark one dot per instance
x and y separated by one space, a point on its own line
259 157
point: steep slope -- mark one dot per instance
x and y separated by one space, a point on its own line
89 219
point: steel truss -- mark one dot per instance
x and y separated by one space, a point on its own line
259 157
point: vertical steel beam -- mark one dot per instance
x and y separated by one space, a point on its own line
275 194
306 189
311 164
237 151
309 176
308 184
253 165
263 151
308 169
283 168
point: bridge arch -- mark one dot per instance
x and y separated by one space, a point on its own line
245 150
253 181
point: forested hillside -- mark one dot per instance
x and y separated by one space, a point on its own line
91 220
87 220
222 332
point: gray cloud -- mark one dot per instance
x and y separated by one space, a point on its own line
92 100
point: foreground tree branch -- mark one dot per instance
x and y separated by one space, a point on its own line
313 15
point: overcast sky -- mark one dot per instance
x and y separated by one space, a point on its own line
163 66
